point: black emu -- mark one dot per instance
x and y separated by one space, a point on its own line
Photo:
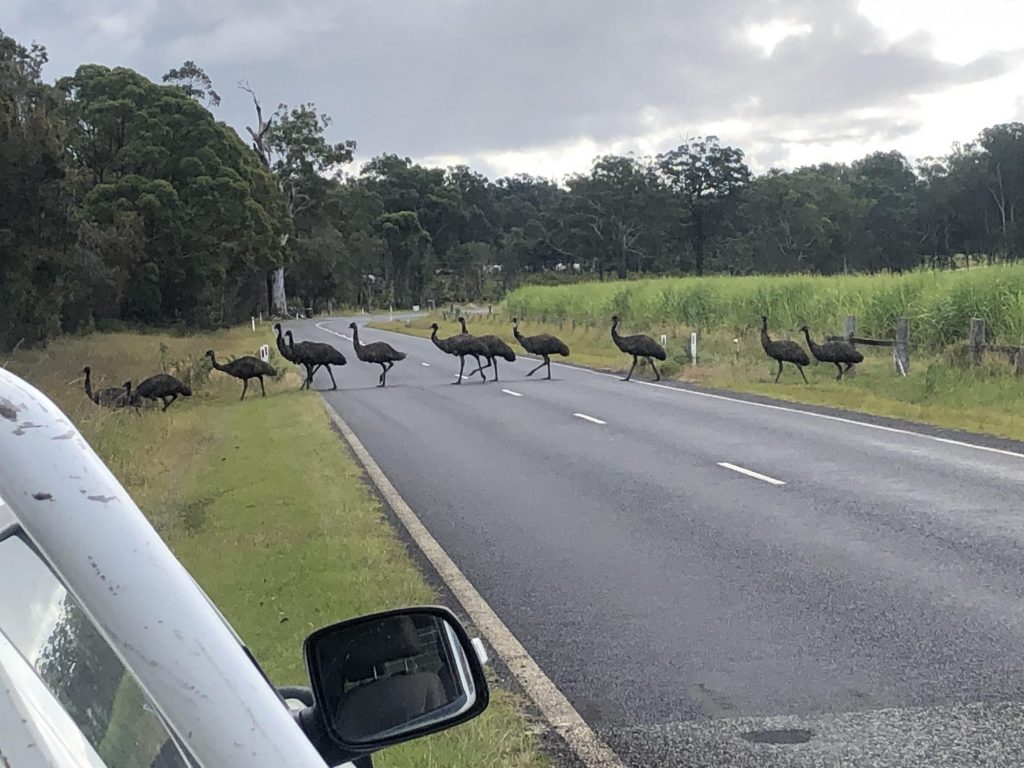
111 397
839 353
376 352
462 345
314 355
160 387
784 351
543 344
495 348
287 354
638 346
244 368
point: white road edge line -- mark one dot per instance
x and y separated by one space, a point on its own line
559 713
783 408
510 392
589 418
751 473
328 330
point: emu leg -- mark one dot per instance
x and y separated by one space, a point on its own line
479 368
839 368
657 376
489 361
630 374
547 362
462 365
245 386
779 373
382 379
846 370
262 388
163 399
543 363
334 384
801 369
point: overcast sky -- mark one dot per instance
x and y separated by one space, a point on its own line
544 86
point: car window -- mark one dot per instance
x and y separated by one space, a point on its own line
49 629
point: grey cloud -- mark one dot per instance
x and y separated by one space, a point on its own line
470 77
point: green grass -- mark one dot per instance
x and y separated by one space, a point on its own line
264 505
939 390
939 305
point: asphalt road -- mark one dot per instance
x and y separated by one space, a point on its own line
863 584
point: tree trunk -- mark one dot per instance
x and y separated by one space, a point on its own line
276 299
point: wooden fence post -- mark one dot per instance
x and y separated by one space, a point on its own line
901 350
977 339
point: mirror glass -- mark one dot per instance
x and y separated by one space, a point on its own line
388 676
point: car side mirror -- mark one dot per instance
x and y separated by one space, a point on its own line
385 678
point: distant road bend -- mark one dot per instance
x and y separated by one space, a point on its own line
700 575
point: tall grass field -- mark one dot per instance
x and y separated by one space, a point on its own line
940 305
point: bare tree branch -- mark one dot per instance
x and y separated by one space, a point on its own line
259 136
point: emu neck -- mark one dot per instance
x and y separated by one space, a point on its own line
462 322
355 338
810 342
765 338
281 346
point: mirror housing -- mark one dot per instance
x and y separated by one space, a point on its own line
386 678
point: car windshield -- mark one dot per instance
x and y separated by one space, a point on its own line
45 624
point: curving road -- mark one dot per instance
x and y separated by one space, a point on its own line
688 568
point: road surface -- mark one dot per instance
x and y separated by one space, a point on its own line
689 568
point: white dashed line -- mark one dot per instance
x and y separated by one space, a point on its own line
750 473
427 365
589 418
510 392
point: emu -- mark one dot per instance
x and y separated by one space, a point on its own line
314 355
543 344
287 354
783 351
244 368
376 352
160 387
638 346
495 348
837 352
462 345
111 397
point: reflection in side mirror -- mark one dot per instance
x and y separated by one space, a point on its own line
389 677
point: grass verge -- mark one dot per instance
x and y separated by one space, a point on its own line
266 508
938 390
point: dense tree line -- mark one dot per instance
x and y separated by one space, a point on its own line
122 200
